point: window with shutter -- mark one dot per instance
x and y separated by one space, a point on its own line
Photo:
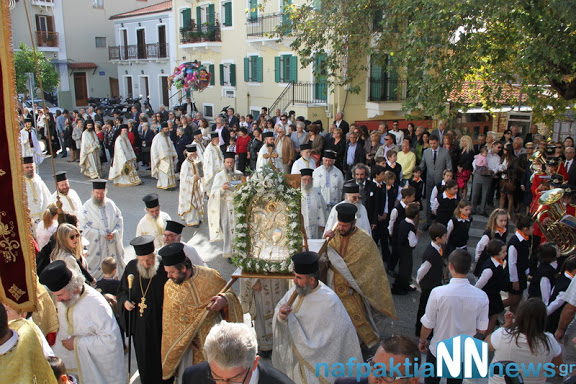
221 74
211 16
232 74
246 69
186 18
260 69
277 69
211 70
253 11
227 12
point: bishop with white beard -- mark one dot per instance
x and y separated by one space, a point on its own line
90 152
221 206
102 225
163 158
37 192
123 171
154 221
191 193
267 154
352 196
70 200
330 180
213 161
312 205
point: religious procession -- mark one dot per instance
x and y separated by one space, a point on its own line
277 248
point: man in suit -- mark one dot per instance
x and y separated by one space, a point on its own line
434 161
569 164
223 133
231 119
188 107
341 123
354 154
440 132
395 351
231 352
135 113
481 143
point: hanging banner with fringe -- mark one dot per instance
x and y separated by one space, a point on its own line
17 257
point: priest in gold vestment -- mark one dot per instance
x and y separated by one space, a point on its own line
187 293
355 266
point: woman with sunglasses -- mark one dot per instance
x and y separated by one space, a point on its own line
69 249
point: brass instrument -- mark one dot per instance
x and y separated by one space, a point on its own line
550 203
537 160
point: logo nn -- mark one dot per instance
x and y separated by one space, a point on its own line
462 357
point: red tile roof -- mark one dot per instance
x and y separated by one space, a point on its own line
156 8
471 93
82 65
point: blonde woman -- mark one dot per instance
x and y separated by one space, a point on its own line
69 249
47 226
464 165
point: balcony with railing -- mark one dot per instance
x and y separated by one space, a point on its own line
266 25
47 39
203 33
138 52
387 89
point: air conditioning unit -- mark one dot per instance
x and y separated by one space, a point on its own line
231 93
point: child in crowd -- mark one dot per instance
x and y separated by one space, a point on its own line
396 217
481 161
109 283
393 166
497 228
417 183
557 300
439 188
381 161
459 227
544 279
404 245
243 122
519 248
59 370
429 275
392 197
232 146
493 280
444 204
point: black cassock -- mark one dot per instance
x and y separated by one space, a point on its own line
146 329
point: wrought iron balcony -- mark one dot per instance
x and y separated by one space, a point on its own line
265 25
46 39
138 52
200 33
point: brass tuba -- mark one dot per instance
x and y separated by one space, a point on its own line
537 162
550 203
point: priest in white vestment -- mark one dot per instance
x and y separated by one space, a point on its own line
36 191
90 152
173 234
70 200
352 196
213 161
330 180
123 171
315 329
221 206
267 154
191 193
199 142
29 143
88 341
305 160
312 205
154 221
102 225
163 159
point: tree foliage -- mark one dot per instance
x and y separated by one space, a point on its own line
24 62
512 49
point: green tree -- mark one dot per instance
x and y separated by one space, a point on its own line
24 62
438 45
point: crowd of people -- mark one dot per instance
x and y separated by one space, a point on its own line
369 194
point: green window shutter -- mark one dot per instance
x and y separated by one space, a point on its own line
233 75
221 74
199 19
260 69
376 93
391 81
277 69
211 70
253 64
186 16
293 69
253 10
211 16
246 69
228 14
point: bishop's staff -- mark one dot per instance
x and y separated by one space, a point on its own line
130 279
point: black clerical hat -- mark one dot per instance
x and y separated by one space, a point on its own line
267 134
191 148
305 146
174 226
172 254
306 172
346 212
143 245
89 121
124 126
229 155
552 161
330 154
196 132
28 120
305 263
28 160
151 200
99 184
213 135
61 176
56 276
164 125
351 188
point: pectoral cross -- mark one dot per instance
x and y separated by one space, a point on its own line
142 305
270 155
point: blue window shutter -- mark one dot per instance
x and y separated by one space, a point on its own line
293 68
211 70
260 69
228 14
199 19
246 69
233 75
186 16
211 16
221 74
253 10
277 69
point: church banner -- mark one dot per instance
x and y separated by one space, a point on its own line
17 257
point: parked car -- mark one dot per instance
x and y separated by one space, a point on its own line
51 107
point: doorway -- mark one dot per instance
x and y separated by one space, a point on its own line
162 47
164 90
141 43
129 88
114 88
80 88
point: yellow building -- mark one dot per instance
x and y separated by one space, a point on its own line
251 69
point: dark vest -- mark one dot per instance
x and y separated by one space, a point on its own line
440 188
483 255
401 216
561 285
433 278
392 195
459 235
497 282
523 251
404 229
445 209
418 187
544 270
